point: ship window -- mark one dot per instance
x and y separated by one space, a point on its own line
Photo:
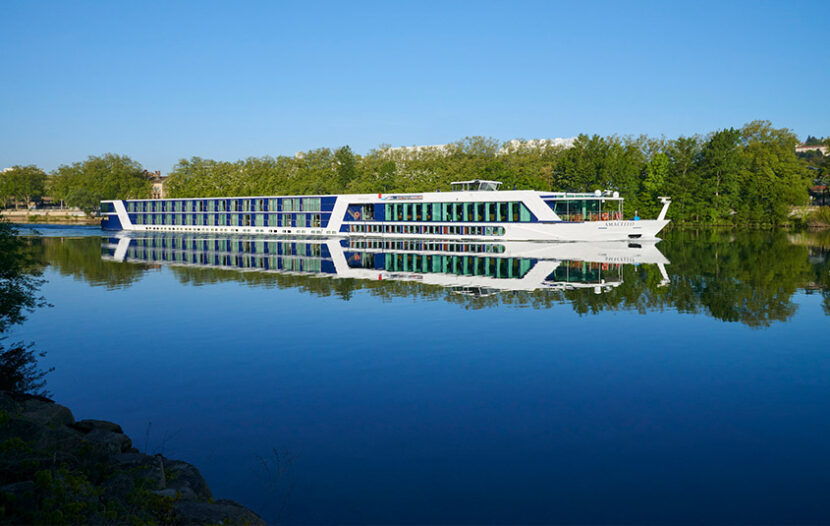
524 213
312 204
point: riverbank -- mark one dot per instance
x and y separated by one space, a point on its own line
52 216
56 470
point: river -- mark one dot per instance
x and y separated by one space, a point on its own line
613 386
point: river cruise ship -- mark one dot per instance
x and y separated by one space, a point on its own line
469 268
474 210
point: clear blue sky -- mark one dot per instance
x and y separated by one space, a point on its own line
160 81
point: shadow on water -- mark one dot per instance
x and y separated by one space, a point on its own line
19 285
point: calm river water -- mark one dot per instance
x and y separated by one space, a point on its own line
481 384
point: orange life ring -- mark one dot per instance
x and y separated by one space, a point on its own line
356 215
605 216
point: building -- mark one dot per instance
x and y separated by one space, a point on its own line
514 146
159 183
412 152
803 148
517 145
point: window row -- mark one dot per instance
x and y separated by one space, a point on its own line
479 212
282 204
583 272
461 265
428 230
292 264
586 209
283 220
424 246
233 245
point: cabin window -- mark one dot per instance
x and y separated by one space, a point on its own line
312 204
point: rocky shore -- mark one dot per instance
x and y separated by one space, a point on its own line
56 470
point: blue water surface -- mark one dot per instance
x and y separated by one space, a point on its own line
313 408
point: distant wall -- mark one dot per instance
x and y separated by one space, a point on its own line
65 216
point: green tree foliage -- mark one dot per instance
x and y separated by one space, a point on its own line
346 167
720 166
22 184
655 182
818 164
746 175
771 176
109 176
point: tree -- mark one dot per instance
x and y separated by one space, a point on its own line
773 177
654 184
22 183
720 165
386 176
346 171
110 176
683 181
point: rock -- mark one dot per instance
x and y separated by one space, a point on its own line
42 436
113 443
183 476
150 468
177 494
219 512
46 412
85 426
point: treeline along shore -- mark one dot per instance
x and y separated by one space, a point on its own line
733 176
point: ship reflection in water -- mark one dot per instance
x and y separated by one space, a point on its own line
466 268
